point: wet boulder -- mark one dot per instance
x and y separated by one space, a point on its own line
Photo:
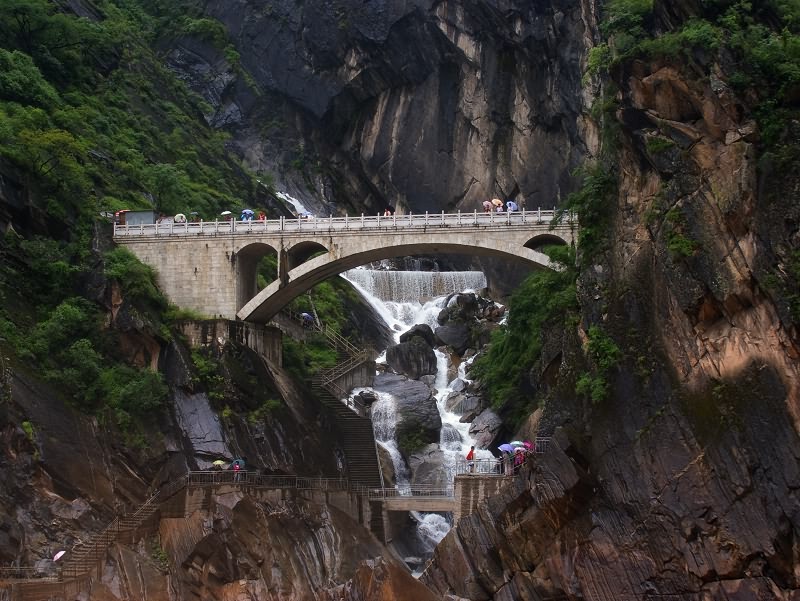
418 421
414 358
457 336
484 428
422 330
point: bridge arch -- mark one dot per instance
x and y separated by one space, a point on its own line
264 305
542 240
299 253
247 260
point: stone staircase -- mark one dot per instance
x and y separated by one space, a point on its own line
358 438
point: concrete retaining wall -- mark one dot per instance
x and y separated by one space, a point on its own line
267 341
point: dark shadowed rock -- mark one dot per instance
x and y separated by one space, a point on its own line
422 330
414 358
485 427
455 335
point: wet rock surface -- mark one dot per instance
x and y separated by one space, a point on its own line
414 358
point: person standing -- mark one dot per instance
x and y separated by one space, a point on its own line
511 206
471 459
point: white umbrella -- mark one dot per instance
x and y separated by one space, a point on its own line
226 213
180 218
58 555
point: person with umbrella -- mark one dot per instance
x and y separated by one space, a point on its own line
511 206
226 215
247 215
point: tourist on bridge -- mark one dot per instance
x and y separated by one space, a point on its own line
511 206
308 320
471 459
487 206
262 216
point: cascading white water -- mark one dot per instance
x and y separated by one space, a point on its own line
415 286
455 441
384 421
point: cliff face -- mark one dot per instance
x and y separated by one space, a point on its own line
683 482
421 105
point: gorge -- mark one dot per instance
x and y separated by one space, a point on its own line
661 360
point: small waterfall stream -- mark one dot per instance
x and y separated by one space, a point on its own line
404 299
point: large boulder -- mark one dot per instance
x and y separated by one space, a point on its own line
428 467
418 420
484 428
457 335
422 330
413 358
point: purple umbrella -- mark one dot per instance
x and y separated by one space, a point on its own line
506 448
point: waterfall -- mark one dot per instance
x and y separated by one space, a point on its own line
404 299
415 286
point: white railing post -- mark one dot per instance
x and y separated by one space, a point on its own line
475 217
345 221
330 220
523 215
362 221
539 215
379 220
281 222
459 217
491 216
394 219
442 216
426 218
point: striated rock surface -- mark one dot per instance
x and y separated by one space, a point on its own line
413 358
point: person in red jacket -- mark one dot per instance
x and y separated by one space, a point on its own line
471 459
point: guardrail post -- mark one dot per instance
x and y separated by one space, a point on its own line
442 216
426 217
523 215
459 217
346 226
281 224
379 219
475 217
362 220
539 215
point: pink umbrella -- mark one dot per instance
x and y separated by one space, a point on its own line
528 444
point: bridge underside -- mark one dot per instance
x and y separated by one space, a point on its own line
295 282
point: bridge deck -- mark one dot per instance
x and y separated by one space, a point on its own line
339 225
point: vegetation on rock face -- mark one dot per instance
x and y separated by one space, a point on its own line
545 299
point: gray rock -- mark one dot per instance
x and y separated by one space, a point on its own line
417 416
485 427
422 330
414 358
455 335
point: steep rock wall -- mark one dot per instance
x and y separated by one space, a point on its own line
421 105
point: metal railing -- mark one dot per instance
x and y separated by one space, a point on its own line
412 490
200 479
347 223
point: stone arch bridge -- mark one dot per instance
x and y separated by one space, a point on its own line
211 267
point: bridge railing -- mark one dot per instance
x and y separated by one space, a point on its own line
413 490
347 223
254 479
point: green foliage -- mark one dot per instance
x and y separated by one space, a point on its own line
659 145
303 360
265 411
678 244
604 355
21 80
410 441
594 205
207 373
546 298
137 280
29 430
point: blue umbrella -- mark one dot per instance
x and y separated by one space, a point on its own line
506 448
